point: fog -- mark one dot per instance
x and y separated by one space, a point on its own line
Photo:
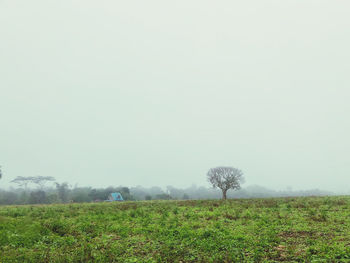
152 92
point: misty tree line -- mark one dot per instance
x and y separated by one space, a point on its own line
61 193
223 178
64 193
34 190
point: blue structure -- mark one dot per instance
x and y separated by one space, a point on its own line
115 197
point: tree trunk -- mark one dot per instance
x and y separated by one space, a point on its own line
224 197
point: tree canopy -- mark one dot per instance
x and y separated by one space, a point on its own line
225 178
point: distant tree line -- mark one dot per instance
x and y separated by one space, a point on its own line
61 193
201 192
35 190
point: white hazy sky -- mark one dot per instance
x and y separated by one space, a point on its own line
157 92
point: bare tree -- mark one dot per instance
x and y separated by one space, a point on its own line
42 180
225 178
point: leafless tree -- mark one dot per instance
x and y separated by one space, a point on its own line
225 178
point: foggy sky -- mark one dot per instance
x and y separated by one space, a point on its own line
157 92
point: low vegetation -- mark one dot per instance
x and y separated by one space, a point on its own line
304 229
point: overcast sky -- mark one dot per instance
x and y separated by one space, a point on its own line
157 92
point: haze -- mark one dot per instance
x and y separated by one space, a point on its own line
152 92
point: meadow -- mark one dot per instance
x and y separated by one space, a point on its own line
306 229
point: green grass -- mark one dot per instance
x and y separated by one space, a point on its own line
251 230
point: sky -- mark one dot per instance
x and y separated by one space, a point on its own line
157 92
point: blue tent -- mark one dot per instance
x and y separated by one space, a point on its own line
115 197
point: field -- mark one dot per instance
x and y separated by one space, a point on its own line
313 229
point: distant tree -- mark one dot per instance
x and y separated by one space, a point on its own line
0 172
93 194
125 190
225 178
185 197
22 181
42 180
80 195
163 197
148 197
62 191
52 198
38 197
175 193
8 198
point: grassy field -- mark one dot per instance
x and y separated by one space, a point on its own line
251 230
